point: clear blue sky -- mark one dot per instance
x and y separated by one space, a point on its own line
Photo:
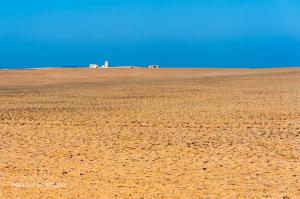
189 33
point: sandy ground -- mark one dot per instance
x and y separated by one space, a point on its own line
142 133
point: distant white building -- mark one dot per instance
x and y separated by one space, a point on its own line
93 66
153 66
105 65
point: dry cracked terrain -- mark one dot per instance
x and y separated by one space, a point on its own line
142 133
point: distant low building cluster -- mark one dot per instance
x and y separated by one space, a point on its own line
106 65
93 66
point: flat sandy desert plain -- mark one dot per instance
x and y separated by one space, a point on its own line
150 133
